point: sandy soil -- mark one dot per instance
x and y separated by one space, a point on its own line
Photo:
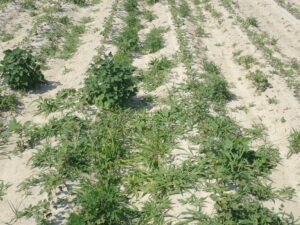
276 21
296 3
16 22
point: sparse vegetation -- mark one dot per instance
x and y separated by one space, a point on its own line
294 140
6 37
250 21
154 40
3 188
157 73
246 61
259 80
8 102
184 9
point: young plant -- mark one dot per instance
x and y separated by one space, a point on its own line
154 40
259 80
8 102
6 37
157 72
102 203
151 2
184 9
21 70
246 61
250 21
148 15
200 32
3 188
78 2
110 82
294 140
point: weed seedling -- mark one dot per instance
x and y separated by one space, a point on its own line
157 73
3 188
8 102
259 80
200 32
154 40
294 140
6 37
184 9
246 61
148 15
250 21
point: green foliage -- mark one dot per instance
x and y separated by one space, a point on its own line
131 5
72 41
154 40
154 211
184 9
3 188
6 36
102 203
294 141
8 102
247 61
151 2
29 4
21 70
148 15
259 80
78 2
157 73
110 82
200 32
127 41
2 2
250 21
214 90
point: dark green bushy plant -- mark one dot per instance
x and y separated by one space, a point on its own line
110 83
21 70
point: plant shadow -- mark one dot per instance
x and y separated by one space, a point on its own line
50 85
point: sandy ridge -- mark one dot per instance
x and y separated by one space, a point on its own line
276 21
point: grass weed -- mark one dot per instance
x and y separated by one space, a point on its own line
157 73
154 40
6 36
294 140
259 80
250 21
184 9
8 102
3 187
149 16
